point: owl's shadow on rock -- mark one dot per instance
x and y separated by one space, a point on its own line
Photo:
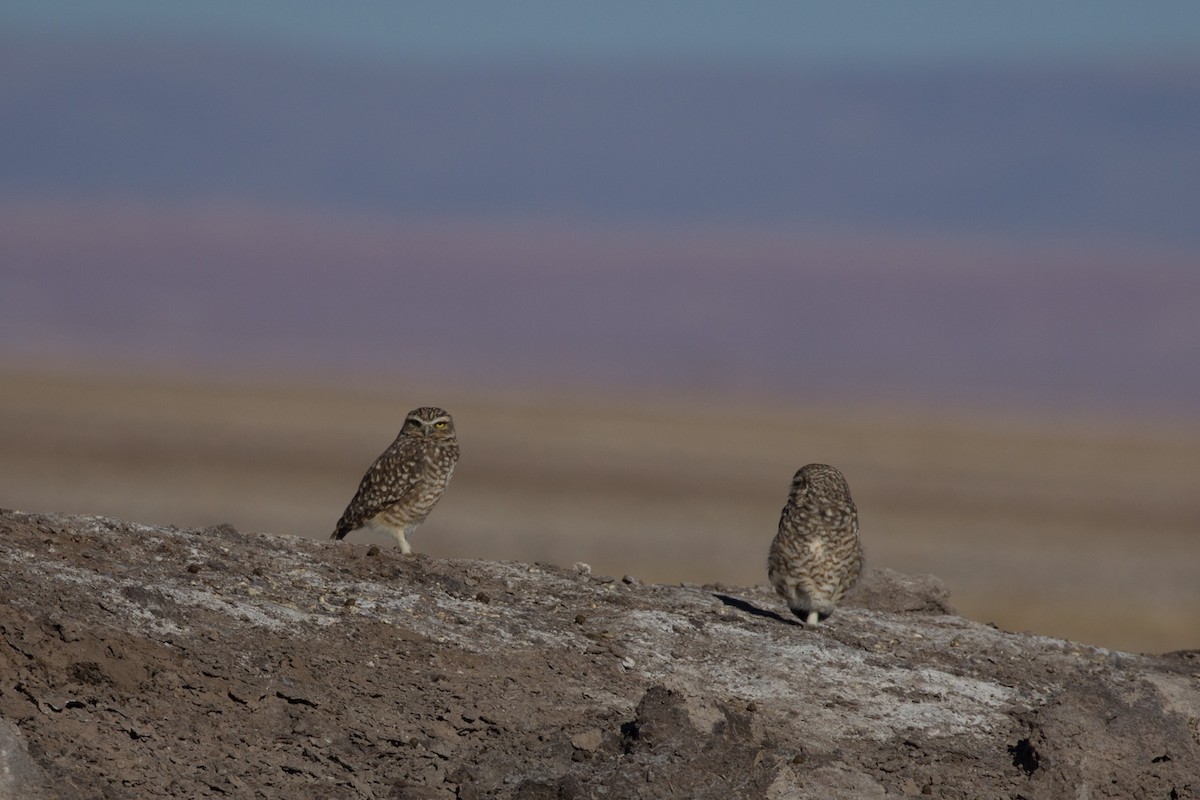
750 608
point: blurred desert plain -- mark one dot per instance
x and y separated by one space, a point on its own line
1085 529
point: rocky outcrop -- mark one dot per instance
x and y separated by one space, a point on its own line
143 661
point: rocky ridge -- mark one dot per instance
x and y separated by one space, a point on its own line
140 661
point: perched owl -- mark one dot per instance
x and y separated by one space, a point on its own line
816 556
404 484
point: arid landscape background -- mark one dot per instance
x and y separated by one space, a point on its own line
653 257
1085 529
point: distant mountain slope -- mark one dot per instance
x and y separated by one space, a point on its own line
940 320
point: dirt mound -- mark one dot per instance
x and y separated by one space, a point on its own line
153 662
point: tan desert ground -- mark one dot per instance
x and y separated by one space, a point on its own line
1086 529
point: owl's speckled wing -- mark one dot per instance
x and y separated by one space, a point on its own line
393 480
823 550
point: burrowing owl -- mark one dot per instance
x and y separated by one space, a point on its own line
404 484
816 556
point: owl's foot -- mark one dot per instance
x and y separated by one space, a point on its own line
809 616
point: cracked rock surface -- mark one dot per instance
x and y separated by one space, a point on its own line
142 661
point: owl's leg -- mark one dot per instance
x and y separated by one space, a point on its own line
810 616
801 604
798 601
402 535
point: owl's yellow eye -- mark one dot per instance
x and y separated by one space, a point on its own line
439 424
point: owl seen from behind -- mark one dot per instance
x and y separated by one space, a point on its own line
407 480
816 556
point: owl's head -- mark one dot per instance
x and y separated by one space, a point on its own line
429 422
818 480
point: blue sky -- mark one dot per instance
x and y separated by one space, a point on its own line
865 32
